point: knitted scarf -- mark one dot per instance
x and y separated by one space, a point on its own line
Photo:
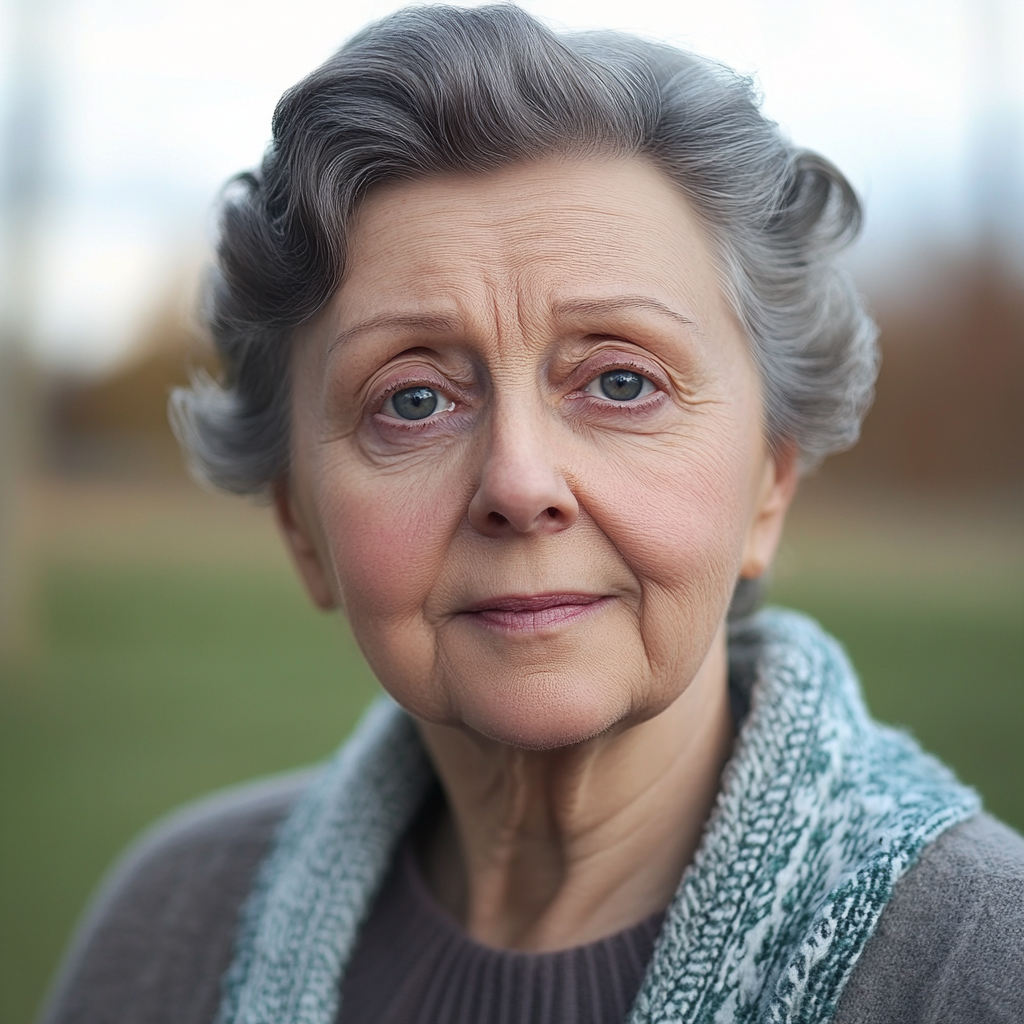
820 811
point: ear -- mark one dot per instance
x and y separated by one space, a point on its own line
299 538
777 488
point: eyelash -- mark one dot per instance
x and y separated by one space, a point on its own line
629 406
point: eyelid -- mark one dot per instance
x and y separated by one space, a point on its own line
414 378
610 359
412 369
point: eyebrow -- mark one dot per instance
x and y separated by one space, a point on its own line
397 322
439 324
621 304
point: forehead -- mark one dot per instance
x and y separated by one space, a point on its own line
537 233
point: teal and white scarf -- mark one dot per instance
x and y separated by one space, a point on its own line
821 810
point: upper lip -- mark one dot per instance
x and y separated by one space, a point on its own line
531 602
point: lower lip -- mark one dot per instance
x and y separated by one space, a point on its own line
537 620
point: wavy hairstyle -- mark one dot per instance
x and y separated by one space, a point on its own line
440 89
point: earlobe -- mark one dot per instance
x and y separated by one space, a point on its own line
778 486
299 540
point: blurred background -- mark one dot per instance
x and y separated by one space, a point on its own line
153 643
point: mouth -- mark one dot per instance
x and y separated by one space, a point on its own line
532 613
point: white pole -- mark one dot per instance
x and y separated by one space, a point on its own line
23 184
997 133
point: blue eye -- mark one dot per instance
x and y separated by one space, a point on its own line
414 403
620 385
417 403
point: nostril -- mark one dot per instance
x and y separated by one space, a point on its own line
496 519
552 512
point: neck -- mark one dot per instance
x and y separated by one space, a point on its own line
543 850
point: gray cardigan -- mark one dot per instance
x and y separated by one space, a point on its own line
949 946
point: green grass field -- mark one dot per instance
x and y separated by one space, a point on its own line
156 684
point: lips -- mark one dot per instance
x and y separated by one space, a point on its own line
527 613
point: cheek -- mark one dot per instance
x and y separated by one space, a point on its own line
677 513
388 534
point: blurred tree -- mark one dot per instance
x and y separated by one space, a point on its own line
117 422
949 412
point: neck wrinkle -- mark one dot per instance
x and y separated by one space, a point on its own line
544 850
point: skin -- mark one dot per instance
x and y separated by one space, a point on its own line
540 574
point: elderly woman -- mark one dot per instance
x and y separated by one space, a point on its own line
528 338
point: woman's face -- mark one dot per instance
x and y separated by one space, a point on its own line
528 454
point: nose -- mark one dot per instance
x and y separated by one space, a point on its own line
521 489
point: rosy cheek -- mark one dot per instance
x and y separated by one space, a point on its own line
674 517
386 538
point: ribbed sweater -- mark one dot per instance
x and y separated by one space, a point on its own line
417 965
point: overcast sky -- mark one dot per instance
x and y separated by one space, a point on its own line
156 102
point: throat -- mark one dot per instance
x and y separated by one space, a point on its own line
542 851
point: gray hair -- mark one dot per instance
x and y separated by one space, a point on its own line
441 89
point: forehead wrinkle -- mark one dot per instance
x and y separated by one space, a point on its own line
513 255
496 310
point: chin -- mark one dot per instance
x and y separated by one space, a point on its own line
545 714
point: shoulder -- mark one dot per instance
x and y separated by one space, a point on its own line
949 947
161 930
